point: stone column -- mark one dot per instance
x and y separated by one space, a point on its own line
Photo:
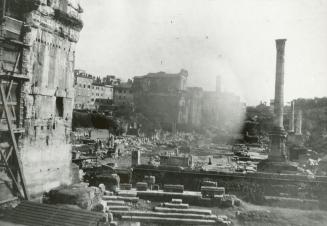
291 123
278 135
136 158
298 129
279 84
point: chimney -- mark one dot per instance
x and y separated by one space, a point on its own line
279 84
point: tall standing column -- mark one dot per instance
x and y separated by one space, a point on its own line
278 135
279 84
291 121
298 129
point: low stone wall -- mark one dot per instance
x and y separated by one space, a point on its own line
250 187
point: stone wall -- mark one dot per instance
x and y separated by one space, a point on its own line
194 105
51 31
83 92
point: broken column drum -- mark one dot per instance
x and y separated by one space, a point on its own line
278 135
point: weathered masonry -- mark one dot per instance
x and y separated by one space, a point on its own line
38 39
161 97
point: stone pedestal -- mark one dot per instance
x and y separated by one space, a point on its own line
277 145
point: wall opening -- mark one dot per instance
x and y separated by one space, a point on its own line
59 106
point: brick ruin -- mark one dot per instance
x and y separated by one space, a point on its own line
161 97
50 32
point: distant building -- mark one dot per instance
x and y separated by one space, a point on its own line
161 97
82 85
221 109
111 80
231 111
194 97
89 88
104 105
123 94
101 92
209 108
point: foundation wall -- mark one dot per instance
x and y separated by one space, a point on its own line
250 187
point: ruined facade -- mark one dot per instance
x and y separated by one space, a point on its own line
123 93
210 108
223 110
161 97
50 31
194 96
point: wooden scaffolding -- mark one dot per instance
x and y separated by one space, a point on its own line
11 106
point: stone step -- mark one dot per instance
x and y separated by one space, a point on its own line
173 188
116 203
159 214
214 189
177 206
175 210
169 221
209 183
120 198
108 192
177 201
119 208
127 193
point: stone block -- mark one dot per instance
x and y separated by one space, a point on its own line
177 206
177 201
85 198
102 187
155 187
174 188
227 201
210 192
125 186
209 183
141 186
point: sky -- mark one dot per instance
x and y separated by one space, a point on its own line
234 39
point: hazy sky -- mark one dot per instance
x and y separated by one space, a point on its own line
230 38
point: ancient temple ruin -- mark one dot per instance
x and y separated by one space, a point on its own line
38 45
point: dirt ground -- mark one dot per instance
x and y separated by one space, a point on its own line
252 215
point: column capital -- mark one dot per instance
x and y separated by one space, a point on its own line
280 44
